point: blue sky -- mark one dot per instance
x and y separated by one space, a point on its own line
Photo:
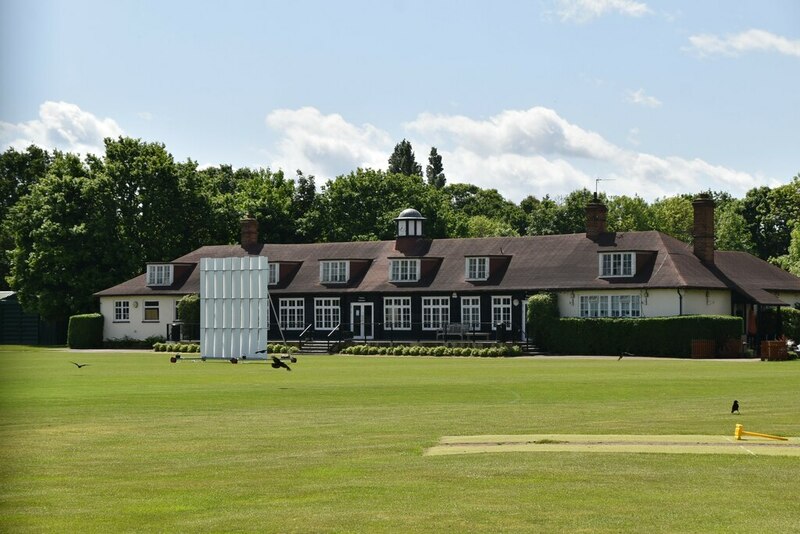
537 97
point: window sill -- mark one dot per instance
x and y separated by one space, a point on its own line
156 321
121 322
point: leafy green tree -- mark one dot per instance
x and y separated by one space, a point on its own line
66 242
304 201
542 218
402 160
572 212
18 172
769 214
731 228
674 216
628 214
791 260
362 205
483 226
268 196
470 201
435 170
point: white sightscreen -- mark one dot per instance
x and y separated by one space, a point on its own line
234 306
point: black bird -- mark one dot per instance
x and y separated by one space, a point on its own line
79 365
735 407
624 354
261 351
277 364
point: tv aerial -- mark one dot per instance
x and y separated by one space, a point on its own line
598 180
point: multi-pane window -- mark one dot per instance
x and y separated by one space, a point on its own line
159 275
471 312
435 312
122 310
403 270
477 268
501 311
397 313
274 273
333 272
327 314
625 306
151 310
613 306
292 313
617 264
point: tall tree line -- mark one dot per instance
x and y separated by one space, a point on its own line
70 226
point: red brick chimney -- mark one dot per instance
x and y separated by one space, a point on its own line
249 232
595 218
703 230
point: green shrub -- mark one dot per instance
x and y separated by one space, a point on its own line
85 331
791 323
189 309
657 336
542 313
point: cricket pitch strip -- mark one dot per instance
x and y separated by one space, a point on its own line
663 444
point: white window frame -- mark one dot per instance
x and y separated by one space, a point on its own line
150 305
122 311
160 275
327 313
274 274
435 312
476 268
471 312
617 264
501 310
404 270
593 306
397 313
334 271
292 313
626 306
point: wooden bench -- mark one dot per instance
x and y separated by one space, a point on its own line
451 330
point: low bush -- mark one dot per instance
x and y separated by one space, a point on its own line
85 331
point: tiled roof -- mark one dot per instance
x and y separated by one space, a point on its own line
533 263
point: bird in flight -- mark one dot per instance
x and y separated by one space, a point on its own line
79 365
277 364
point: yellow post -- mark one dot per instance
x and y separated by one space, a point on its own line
740 431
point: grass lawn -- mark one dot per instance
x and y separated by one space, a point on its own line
134 443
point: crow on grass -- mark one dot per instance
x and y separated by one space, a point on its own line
277 364
735 407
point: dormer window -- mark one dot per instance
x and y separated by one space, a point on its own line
403 270
274 273
334 272
617 264
477 269
159 275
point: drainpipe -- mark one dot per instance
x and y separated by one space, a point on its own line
680 301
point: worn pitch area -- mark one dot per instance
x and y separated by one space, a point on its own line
669 444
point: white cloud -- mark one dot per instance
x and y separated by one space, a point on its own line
518 152
640 99
61 126
581 11
326 145
748 41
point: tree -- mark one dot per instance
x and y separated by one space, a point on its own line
674 216
732 232
268 196
483 226
629 214
402 160
362 206
18 172
304 202
791 260
769 214
66 242
542 216
435 171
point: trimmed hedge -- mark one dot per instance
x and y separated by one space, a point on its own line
189 309
85 331
542 312
791 323
272 348
657 336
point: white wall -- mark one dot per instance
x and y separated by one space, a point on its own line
136 327
792 298
657 302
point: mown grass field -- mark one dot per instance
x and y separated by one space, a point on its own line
132 443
